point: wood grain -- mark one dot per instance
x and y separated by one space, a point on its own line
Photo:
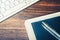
14 29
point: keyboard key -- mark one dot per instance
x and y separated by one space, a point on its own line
28 1
16 2
3 1
7 3
1 16
11 5
7 7
11 0
21 1
2 10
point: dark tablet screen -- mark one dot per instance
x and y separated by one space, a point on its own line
41 33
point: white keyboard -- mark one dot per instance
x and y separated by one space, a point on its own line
11 7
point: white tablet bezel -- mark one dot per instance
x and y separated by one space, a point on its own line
28 25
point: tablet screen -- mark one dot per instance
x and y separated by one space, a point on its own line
41 33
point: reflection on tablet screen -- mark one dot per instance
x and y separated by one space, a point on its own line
43 34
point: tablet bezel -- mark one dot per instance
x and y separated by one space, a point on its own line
28 25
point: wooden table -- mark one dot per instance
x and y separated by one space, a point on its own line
14 29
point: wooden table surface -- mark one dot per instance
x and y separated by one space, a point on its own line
14 29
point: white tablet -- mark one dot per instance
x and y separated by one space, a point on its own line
36 31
